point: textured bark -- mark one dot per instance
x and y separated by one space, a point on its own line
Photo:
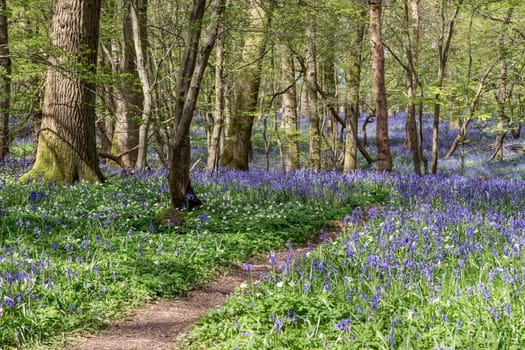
5 82
189 80
237 146
329 125
128 102
67 144
384 157
214 146
311 94
355 60
138 24
289 115
412 74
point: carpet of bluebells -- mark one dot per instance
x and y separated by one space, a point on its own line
74 257
440 266
433 262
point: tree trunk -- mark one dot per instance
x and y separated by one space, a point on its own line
412 78
443 52
384 157
128 101
237 146
503 119
330 125
67 143
5 82
189 80
218 110
289 115
473 105
355 61
311 94
138 24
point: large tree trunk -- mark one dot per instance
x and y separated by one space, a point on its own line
237 146
214 146
384 157
128 101
311 94
5 82
189 80
289 116
355 60
67 144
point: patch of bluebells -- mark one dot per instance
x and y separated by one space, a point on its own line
446 251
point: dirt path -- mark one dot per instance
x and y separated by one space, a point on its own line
157 326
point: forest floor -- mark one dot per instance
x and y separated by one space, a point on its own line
159 325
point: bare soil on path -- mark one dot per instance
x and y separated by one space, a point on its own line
158 325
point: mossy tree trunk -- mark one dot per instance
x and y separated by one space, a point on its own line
5 82
67 144
128 100
237 145
289 116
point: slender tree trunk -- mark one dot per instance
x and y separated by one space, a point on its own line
138 20
503 119
473 105
330 125
67 143
384 157
412 54
289 115
311 94
218 110
5 82
237 146
443 52
355 60
189 80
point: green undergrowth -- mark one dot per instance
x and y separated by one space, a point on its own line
74 257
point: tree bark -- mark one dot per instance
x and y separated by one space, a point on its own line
189 80
289 115
412 79
237 146
355 61
128 101
443 52
5 82
384 157
218 110
138 21
67 143
503 119
311 94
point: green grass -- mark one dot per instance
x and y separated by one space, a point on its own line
72 258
